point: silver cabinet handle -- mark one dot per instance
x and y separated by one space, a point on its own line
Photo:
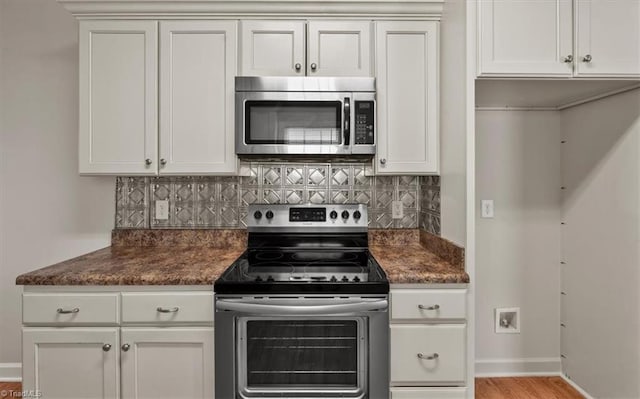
428 357
298 66
383 161
163 161
433 307
314 66
67 311
106 347
587 58
568 59
148 161
167 310
126 347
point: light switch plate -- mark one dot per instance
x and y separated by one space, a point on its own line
487 209
162 210
397 210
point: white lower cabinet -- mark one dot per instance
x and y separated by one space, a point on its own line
428 353
167 363
71 363
428 343
130 345
429 393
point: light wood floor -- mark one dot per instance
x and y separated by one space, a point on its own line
486 388
525 388
6 389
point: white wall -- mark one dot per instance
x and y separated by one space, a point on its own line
47 212
601 244
518 251
453 128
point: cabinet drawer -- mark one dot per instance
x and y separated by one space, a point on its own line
167 308
443 343
75 309
425 304
429 393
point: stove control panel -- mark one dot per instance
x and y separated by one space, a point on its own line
307 216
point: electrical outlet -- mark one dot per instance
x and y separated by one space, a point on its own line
487 209
162 210
397 210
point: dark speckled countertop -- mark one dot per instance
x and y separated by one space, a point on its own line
198 257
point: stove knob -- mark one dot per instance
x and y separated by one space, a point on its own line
257 215
258 279
356 215
345 214
333 279
270 279
345 279
269 215
333 215
356 279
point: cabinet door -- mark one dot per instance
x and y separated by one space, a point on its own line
71 363
609 32
339 48
526 37
167 363
273 48
407 92
197 70
425 354
118 97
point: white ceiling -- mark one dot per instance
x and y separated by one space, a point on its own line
492 93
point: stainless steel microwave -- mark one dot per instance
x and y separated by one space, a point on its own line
305 116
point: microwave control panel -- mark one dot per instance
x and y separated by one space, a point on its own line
364 122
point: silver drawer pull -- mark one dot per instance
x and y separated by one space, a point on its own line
67 311
106 347
434 307
167 310
429 357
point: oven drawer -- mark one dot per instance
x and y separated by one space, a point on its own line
75 309
428 304
429 393
428 353
167 308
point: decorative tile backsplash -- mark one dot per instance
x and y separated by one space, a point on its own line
221 202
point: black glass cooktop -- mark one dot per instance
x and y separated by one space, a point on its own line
339 263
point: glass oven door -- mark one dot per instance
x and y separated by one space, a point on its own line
302 357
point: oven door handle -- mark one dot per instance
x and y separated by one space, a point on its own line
262 309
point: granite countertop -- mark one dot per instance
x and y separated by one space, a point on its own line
198 257
417 257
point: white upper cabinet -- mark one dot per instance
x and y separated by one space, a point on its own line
407 91
531 37
118 97
608 38
339 48
197 71
283 48
559 38
272 48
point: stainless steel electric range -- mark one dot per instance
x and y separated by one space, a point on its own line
303 313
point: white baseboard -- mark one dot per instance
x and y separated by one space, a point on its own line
534 366
10 372
577 387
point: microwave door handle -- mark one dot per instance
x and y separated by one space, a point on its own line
347 121
301 309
